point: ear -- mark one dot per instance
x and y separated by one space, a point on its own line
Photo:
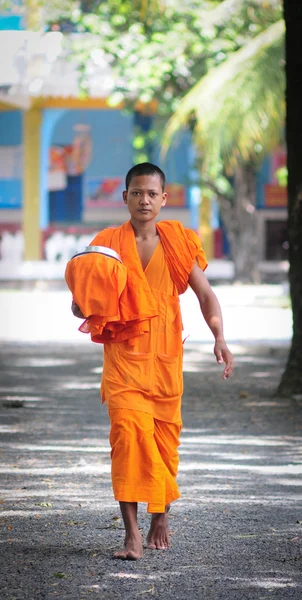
125 196
164 199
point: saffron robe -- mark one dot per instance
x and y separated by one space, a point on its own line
144 372
144 458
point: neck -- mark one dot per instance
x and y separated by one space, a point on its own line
144 230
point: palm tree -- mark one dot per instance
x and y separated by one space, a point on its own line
238 112
291 382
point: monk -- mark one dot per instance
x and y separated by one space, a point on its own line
142 375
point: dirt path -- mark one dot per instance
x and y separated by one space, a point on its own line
235 534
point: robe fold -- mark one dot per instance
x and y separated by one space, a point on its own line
142 379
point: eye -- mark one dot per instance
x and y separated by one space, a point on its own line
152 194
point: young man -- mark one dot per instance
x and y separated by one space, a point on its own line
142 374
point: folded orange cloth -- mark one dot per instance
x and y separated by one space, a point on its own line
96 282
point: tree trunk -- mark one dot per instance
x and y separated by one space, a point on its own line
240 222
33 15
291 381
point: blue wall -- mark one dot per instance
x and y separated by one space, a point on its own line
10 128
112 156
11 22
263 178
10 135
111 134
176 164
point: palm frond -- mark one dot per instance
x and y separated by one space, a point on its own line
220 15
239 106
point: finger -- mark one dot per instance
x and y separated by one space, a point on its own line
228 370
219 358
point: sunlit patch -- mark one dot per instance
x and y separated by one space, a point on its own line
224 455
76 385
195 430
266 360
70 494
211 487
43 362
270 584
17 389
205 348
97 370
287 482
198 498
87 469
31 513
226 440
268 403
191 368
261 374
30 398
266 583
123 575
10 429
91 587
57 448
290 469
191 355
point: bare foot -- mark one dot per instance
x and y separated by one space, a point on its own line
158 536
133 548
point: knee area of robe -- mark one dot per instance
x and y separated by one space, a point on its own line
144 458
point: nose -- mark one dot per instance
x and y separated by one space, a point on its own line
144 200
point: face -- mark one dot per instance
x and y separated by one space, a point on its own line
145 197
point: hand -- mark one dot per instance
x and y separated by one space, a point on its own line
223 354
76 311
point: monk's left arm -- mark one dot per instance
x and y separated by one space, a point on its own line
211 311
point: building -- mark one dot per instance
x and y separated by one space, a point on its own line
63 157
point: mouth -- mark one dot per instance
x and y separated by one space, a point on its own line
144 210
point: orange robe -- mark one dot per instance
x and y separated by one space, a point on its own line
142 375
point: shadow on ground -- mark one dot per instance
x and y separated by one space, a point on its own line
235 533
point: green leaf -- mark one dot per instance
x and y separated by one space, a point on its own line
138 142
238 106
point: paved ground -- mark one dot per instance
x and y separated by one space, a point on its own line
236 532
250 313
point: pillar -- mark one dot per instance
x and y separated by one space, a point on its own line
31 184
206 229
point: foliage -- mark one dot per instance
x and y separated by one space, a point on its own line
238 107
159 50
160 54
282 176
217 68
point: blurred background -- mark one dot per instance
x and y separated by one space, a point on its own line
87 89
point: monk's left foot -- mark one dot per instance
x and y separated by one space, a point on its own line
133 549
158 536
